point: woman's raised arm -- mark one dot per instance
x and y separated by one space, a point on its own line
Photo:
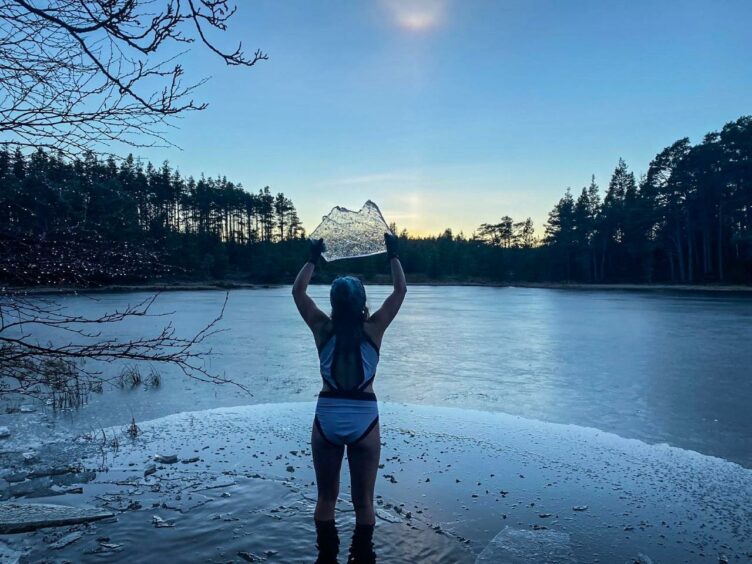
311 314
391 306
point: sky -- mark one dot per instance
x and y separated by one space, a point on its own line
451 113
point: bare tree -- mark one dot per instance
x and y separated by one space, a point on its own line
77 75
48 351
68 365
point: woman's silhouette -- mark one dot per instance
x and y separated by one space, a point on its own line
347 412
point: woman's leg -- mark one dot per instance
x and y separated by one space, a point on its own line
327 462
363 458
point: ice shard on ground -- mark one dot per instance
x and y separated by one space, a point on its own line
20 517
352 234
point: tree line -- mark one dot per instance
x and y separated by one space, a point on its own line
688 219
139 221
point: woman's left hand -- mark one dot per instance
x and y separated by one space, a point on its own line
316 248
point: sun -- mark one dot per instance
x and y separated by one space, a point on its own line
417 15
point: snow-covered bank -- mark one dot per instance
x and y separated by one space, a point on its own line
455 484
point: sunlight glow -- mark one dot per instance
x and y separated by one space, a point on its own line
417 15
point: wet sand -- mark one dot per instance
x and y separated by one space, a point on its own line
456 486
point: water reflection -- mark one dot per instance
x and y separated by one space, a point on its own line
327 544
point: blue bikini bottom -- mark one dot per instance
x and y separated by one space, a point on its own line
344 418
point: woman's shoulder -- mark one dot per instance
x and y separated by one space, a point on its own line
373 332
323 332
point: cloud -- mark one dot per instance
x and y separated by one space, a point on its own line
418 16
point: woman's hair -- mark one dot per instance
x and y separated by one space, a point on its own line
349 310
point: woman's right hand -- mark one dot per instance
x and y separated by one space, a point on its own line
315 249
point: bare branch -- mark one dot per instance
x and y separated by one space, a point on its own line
77 75
33 368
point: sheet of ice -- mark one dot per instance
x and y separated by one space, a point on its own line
520 546
20 517
352 234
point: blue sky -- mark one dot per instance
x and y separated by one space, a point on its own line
452 113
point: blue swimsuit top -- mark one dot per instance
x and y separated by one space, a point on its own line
369 359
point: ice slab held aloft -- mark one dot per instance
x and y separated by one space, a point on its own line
352 234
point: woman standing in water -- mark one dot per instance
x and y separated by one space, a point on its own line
347 412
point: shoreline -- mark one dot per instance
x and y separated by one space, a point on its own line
239 285
455 485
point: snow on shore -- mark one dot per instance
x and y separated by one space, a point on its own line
456 486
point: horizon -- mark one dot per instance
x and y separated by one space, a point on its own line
449 115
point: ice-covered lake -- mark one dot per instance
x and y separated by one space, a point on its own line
662 367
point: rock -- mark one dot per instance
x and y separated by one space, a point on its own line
387 516
53 471
15 477
38 487
22 517
223 517
67 539
4 432
166 458
250 557
104 548
10 556
111 546
151 468
65 481
290 468
218 483
160 523
190 460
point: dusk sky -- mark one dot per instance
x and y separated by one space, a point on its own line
451 114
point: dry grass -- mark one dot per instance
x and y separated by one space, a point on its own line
133 430
130 377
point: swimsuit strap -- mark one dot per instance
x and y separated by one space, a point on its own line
369 359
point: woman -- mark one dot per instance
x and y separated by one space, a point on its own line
347 412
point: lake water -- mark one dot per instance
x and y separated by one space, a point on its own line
662 367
